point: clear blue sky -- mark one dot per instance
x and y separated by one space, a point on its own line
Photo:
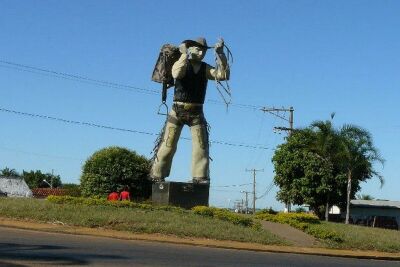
317 56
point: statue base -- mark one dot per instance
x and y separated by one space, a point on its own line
185 195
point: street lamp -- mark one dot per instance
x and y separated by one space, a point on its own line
51 186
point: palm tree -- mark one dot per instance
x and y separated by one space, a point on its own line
358 155
7 172
327 146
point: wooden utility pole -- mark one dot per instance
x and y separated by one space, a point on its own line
247 200
254 187
289 130
275 112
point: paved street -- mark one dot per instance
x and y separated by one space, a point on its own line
31 248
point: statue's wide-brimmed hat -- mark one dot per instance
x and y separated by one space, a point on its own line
199 42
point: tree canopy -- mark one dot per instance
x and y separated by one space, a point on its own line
312 167
111 169
7 172
35 179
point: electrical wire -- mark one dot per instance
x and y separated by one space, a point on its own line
233 185
78 78
32 115
84 79
269 188
40 154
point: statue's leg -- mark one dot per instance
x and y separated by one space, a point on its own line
200 151
163 159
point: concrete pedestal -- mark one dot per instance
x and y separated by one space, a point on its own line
185 195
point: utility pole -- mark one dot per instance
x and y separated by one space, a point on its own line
254 187
51 179
275 112
247 200
289 130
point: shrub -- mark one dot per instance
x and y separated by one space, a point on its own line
288 217
267 211
111 169
225 215
203 210
72 190
324 234
104 202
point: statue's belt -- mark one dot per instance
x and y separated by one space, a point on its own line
181 106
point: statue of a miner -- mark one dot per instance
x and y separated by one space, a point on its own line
190 76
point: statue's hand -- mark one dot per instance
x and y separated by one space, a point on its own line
219 46
183 48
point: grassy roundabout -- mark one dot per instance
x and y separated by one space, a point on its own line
134 218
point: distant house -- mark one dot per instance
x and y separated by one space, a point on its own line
375 213
14 187
45 192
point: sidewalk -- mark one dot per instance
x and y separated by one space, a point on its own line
58 227
293 235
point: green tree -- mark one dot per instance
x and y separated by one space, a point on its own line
36 179
321 166
7 172
111 169
358 156
300 173
327 144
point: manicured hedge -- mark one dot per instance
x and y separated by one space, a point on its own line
226 215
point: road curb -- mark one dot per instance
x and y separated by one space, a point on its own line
59 227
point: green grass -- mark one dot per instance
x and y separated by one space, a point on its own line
339 235
361 237
137 220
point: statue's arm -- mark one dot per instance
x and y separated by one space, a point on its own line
179 67
221 73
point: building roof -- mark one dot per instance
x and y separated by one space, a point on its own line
45 192
375 203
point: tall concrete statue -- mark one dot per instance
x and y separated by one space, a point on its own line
190 75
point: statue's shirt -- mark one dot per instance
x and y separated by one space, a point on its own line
191 88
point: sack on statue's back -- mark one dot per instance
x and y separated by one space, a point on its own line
162 72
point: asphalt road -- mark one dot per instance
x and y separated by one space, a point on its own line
31 248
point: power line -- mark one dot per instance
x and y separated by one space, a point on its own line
73 122
84 79
223 190
39 154
269 188
232 185
78 78
32 115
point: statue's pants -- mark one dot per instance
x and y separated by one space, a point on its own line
164 153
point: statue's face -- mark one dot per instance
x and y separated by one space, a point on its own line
197 53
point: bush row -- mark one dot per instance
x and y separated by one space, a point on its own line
303 221
226 215
105 202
